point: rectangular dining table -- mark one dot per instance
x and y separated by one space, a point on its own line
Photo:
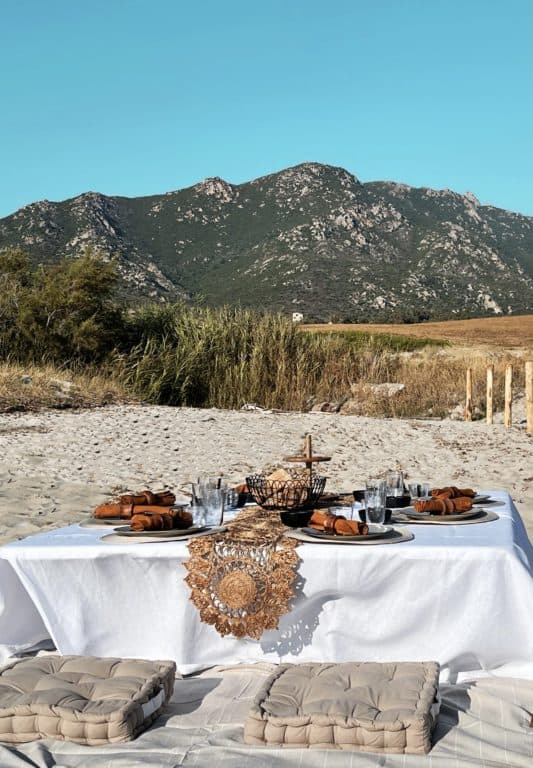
458 594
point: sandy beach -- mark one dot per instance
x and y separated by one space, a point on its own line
55 466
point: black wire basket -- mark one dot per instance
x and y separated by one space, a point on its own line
297 493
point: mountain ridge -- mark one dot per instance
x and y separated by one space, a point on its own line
310 238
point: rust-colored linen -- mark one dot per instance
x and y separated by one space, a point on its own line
161 521
441 505
130 504
452 492
337 524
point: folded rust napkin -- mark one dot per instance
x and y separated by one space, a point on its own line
441 505
337 524
131 503
452 492
161 521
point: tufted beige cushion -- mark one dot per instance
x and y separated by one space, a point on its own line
84 699
369 707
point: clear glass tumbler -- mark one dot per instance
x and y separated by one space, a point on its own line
419 491
395 484
208 500
213 500
198 512
375 497
232 498
204 484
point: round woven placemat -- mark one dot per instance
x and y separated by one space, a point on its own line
242 580
106 522
399 535
114 538
487 517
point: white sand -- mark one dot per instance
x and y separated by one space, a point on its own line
55 466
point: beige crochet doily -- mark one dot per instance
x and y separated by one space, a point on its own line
242 580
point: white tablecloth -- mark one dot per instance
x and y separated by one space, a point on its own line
461 595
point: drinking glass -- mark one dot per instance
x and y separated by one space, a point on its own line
198 512
375 496
419 491
213 481
204 484
395 485
208 499
208 505
356 508
213 504
232 498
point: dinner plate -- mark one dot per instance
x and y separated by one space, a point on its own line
374 532
448 518
125 530
482 499
396 536
101 521
147 537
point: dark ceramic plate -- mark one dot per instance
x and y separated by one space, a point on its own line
444 518
100 522
375 532
125 530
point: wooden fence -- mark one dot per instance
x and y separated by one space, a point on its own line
508 396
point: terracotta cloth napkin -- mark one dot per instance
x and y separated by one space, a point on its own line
337 524
162 520
133 503
441 505
452 492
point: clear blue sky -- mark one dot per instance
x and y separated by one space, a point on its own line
137 97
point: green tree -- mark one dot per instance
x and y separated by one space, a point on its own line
15 283
64 312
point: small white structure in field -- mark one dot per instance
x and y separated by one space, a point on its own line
297 317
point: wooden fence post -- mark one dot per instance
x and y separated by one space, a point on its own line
490 393
508 413
529 397
468 405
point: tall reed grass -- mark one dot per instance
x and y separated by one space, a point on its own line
226 357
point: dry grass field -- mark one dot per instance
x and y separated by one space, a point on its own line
34 387
510 332
281 367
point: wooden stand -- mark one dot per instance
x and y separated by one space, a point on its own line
529 397
468 405
307 458
508 412
490 393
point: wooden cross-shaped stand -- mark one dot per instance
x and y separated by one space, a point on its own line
307 458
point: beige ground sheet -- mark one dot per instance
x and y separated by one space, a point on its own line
484 724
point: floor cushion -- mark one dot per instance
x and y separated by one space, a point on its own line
368 706
85 699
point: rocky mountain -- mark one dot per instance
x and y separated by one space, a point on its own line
310 238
